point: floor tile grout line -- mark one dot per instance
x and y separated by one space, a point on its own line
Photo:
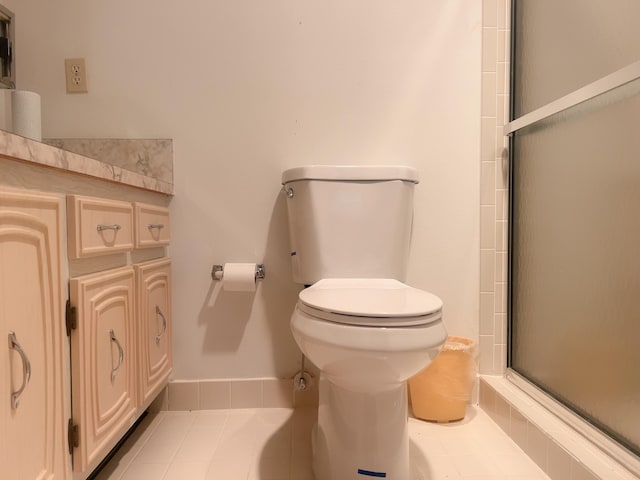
144 442
218 440
179 445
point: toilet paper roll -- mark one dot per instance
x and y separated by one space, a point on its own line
26 114
239 277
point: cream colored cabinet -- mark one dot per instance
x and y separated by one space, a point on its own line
119 321
121 342
33 383
153 282
103 362
99 226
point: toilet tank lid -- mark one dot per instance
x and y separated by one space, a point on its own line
351 173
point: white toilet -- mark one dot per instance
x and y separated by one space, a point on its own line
350 230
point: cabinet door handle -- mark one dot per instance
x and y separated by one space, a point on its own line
159 226
115 227
120 355
26 369
164 324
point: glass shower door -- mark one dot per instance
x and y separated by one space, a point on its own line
575 214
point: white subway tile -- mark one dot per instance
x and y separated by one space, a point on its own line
501 117
277 393
487 302
488 183
489 49
488 139
580 472
501 236
501 209
501 260
503 17
501 297
488 100
503 414
486 354
503 39
559 462
487 227
183 395
487 270
502 78
246 394
490 13
215 394
500 328
537 446
499 358
518 428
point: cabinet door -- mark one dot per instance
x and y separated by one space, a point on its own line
103 352
33 405
154 316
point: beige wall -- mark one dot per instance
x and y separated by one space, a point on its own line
247 89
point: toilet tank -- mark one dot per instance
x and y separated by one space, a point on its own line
349 221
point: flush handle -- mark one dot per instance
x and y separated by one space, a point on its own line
288 191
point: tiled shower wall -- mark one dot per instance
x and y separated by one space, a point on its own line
493 186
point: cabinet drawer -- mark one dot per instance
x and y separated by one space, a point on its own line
98 226
152 225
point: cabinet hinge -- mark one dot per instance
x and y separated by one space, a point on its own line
71 318
73 437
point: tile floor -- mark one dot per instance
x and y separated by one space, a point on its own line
274 444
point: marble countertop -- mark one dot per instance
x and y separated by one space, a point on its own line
15 147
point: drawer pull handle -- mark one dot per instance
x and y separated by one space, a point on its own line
159 226
26 370
164 325
120 355
115 227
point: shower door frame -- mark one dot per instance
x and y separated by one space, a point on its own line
624 76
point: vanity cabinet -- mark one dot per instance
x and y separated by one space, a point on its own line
76 269
116 326
121 337
33 377
103 362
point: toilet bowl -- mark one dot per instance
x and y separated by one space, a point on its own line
367 337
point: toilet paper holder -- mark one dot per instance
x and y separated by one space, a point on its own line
217 272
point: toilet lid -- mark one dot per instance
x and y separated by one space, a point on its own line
370 301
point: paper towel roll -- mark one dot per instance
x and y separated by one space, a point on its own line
26 114
239 277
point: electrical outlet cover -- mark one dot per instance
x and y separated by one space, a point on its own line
76 75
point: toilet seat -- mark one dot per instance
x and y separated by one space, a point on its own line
372 302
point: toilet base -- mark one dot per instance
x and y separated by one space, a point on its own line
361 435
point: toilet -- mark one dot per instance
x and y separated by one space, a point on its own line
365 330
